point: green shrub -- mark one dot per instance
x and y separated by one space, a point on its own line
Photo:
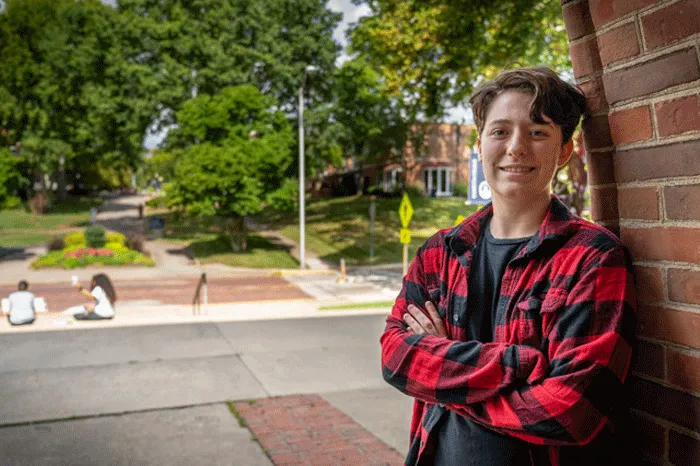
75 240
114 237
414 191
156 201
460 189
95 236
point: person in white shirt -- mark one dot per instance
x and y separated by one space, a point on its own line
21 305
103 298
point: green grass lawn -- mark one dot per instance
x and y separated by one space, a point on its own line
339 227
19 227
335 228
209 245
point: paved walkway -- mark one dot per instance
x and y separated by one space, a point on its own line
308 390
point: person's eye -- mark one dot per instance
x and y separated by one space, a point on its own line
498 132
539 133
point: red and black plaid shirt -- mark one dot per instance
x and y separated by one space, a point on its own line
553 375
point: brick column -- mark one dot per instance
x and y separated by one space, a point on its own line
638 61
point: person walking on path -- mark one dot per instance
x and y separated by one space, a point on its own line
21 305
102 297
513 331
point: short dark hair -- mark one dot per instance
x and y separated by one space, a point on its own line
564 103
22 285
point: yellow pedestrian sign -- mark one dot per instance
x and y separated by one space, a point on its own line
405 236
405 211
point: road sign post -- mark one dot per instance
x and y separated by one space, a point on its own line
405 214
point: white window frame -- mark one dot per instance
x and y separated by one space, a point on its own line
443 177
390 179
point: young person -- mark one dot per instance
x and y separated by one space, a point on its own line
21 305
102 296
513 330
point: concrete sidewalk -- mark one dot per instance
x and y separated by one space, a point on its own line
308 391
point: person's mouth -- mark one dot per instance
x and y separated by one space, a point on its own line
519 169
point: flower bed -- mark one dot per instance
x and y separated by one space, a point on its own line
76 254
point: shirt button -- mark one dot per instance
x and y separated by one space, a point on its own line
455 318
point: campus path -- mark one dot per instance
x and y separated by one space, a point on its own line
310 390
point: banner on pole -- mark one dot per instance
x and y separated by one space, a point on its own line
479 189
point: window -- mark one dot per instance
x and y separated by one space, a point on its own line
437 181
391 179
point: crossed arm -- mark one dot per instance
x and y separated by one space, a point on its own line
562 398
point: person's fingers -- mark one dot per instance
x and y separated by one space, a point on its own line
437 320
412 324
422 319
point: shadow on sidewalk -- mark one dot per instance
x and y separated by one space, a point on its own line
15 254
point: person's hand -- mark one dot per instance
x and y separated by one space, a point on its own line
77 286
421 324
90 307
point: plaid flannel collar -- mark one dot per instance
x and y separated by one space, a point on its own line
554 230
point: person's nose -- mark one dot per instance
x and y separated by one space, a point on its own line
516 145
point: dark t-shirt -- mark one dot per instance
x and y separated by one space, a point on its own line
462 442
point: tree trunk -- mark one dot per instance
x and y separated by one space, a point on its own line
236 230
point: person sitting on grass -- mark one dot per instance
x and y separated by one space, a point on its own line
21 305
103 298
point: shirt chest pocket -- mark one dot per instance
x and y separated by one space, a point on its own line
535 317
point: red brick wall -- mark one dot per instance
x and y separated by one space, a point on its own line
638 61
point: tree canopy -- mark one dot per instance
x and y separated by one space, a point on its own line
431 53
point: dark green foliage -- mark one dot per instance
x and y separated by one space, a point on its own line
56 244
95 236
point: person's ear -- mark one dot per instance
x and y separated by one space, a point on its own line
478 148
565 154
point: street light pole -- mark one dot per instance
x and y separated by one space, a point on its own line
302 259
302 199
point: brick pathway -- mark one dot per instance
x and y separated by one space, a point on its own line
307 430
60 296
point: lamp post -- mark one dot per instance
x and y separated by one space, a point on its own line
302 233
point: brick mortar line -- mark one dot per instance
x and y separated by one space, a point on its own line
669 182
657 96
665 423
680 307
667 265
626 17
651 224
667 141
666 384
691 90
662 51
670 345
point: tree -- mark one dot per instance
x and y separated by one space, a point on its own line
72 92
429 54
204 46
433 52
235 148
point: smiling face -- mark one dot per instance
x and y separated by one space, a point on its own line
520 157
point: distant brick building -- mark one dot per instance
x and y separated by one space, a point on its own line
435 168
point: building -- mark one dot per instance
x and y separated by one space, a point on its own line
434 168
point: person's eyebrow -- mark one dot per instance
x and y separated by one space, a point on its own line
499 122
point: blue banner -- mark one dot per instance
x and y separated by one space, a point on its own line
479 189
